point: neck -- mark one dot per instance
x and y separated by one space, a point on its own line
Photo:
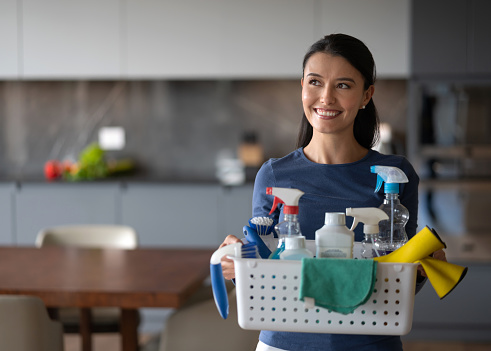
332 150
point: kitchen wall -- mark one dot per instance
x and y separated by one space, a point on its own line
174 129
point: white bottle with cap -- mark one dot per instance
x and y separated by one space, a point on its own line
295 249
334 239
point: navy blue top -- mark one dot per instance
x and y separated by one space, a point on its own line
331 188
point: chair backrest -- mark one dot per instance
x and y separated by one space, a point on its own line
89 236
26 326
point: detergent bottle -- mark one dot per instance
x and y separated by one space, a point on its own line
289 227
334 239
392 234
370 217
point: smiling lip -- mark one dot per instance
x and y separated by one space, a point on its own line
326 114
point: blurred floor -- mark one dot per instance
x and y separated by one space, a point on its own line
112 342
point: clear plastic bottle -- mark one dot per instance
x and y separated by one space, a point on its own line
368 246
289 227
392 233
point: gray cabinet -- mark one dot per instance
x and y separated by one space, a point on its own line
479 54
172 215
39 206
465 314
236 210
7 191
450 37
185 215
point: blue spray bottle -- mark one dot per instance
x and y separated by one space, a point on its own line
392 234
289 227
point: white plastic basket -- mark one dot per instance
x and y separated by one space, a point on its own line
267 299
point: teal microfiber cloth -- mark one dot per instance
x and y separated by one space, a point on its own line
340 285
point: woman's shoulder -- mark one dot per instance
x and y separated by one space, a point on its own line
293 157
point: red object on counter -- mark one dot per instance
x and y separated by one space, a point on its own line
52 169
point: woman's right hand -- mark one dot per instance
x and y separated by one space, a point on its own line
228 269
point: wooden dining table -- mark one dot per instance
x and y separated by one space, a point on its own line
86 278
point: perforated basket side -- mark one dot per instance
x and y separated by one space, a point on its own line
267 299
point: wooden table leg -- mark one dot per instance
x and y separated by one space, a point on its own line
85 330
129 329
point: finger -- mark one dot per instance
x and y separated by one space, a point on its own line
440 255
230 239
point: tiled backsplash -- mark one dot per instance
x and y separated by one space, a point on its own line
174 129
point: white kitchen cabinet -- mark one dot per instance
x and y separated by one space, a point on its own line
7 191
9 40
266 39
174 39
217 38
383 25
71 39
38 206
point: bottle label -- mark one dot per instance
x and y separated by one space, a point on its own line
334 253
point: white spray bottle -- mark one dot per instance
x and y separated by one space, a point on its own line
289 227
392 234
370 217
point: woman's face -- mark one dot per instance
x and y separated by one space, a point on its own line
332 93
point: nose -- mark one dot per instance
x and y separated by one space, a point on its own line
327 95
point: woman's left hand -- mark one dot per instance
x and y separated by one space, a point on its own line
439 255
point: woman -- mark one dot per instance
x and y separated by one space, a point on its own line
332 167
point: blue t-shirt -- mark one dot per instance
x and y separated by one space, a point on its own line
331 188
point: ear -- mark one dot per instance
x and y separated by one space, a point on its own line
368 94
301 82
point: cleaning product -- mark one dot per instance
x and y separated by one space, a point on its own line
370 217
264 227
295 249
248 250
334 239
392 234
290 226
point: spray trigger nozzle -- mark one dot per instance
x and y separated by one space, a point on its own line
392 176
276 201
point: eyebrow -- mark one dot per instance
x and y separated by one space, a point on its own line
344 79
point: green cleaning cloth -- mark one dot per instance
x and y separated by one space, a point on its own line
340 285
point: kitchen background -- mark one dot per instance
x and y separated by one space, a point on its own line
174 130
190 81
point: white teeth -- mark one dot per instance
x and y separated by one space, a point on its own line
326 113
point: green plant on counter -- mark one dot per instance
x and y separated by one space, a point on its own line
91 165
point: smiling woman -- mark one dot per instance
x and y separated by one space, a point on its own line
332 167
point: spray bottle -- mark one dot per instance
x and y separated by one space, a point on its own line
289 227
392 234
370 217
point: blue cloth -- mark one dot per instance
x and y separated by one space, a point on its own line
331 188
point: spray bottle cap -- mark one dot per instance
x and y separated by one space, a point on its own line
370 216
392 176
286 196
